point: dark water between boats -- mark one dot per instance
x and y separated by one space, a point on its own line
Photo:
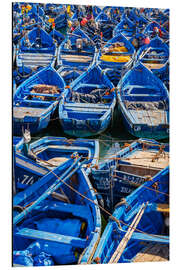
111 141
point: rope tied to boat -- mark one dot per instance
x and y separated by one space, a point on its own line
116 220
160 153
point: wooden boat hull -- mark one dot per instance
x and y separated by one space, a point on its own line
156 133
35 124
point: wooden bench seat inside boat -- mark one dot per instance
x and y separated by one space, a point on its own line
138 170
149 117
87 107
76 58
56 161
52 237
21 112
153 253
153 65
146 158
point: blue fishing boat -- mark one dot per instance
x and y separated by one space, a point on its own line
134 231
58 17
69 74
125 27
113 14
22 73
36 100
154 29
88 104
96 11
33 22
143 102
118 175
138 40
103 18
36 49
157 15
17 34
105 25
76 50
57 36
135 16
61 226
61 20
154 56
32 161
118 52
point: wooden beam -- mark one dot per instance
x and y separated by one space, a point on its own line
123 243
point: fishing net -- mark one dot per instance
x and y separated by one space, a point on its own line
95 96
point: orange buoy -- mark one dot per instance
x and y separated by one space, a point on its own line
84 21
147 40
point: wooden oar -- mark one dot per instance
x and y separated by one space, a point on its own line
123 243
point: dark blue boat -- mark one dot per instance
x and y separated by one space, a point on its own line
60 226
60 20
96 11
154 56
57 36
22 73
76 50
36 49
69 74
125 27
105 25
121 173
143 102
137 18
36 99
88 105
134 231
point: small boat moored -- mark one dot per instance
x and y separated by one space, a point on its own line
143 102
88 104
36 99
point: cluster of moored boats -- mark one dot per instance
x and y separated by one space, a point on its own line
78 65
